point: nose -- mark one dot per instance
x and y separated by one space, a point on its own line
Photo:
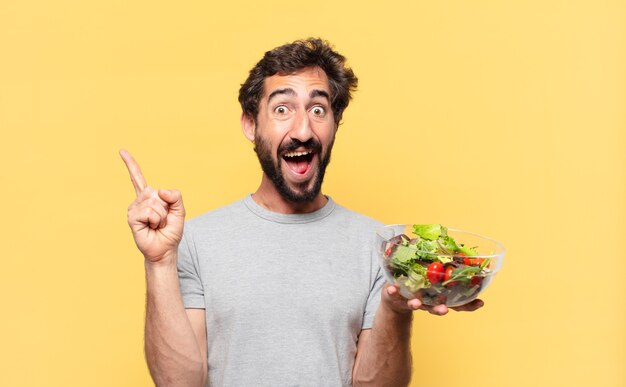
301 129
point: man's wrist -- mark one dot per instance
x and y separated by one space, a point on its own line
394 316
166 262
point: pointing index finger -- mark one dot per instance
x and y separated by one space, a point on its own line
139 182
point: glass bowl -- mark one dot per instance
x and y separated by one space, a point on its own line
458 279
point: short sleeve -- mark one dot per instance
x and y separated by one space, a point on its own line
191 287
373 300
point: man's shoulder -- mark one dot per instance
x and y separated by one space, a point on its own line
357 218
217 217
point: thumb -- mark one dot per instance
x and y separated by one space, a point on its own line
174 199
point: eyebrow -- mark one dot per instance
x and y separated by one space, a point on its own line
287 91
291 92
319 93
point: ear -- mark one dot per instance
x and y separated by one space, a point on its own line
248 126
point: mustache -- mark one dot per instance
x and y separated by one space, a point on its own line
294 144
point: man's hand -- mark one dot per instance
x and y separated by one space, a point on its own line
383 355
394 301
156 218
175 338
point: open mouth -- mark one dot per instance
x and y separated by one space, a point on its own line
299 161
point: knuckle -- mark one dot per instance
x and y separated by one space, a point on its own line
148 192
157 201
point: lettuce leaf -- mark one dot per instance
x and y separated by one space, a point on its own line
428 231
415 280
469 251
426 249
448 244
403 254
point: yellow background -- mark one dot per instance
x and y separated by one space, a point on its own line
505 118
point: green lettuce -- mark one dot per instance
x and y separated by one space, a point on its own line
428 231
469 251
448 244
426 249
416 279
403 254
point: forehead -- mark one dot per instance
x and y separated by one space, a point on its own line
302 81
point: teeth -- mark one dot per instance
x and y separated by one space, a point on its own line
294 154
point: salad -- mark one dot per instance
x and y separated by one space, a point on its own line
433 267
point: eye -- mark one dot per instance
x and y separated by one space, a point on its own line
280 109
318 111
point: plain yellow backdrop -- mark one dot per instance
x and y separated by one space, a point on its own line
502 117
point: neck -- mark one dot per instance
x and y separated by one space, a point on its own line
269 198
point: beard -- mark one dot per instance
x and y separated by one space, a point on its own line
272 169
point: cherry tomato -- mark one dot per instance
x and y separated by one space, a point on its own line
435 272
476 280
466 261
448 274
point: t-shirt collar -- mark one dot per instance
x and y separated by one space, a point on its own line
289 218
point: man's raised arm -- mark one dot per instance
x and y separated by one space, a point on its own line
175 338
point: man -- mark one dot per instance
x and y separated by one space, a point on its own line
283 287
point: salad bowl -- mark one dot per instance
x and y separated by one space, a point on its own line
438 265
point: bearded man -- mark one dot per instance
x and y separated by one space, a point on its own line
283 287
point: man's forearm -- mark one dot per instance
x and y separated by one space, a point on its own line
172 351
386 359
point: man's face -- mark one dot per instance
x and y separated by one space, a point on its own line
294 133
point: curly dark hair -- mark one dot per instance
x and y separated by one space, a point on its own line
288 59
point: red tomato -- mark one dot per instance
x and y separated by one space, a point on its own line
448 275
476 280
435 272
388 251
466 261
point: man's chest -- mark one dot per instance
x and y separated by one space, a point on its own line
292 277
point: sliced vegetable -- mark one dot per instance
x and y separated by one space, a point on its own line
435 272
448 275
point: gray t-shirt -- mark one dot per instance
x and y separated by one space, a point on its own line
285 295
